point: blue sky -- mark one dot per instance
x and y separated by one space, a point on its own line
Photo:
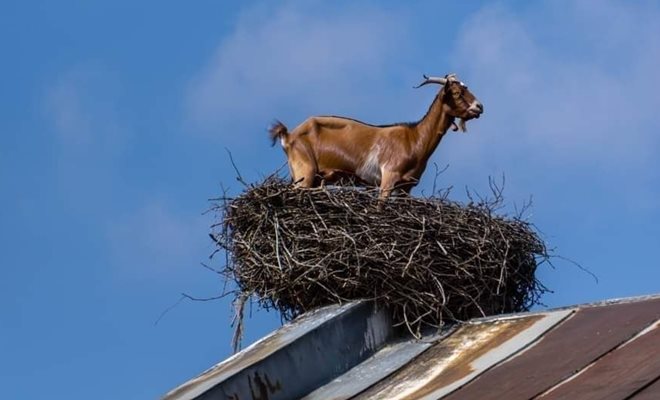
114 118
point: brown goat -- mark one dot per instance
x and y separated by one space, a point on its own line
388 156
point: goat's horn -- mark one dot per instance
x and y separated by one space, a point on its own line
432 79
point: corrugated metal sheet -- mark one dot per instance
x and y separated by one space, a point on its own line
651 392
633 365
602 351
570 347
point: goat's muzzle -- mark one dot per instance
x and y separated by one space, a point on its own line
475 110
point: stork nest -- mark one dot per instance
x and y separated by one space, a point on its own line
429 260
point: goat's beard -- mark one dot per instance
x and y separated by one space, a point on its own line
461 125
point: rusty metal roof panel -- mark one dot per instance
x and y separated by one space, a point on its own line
571 346
471 350
618 374
650 392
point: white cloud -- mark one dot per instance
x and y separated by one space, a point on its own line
82 106
155 241
591 100
65 105
294 57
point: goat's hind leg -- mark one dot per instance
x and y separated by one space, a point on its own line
303 170
304 177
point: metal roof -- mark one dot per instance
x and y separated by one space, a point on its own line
609 350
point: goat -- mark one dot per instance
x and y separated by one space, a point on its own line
326 148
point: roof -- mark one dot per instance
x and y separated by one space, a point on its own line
608 350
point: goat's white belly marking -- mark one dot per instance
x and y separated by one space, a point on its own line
370 170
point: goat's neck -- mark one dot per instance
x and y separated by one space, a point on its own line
432 127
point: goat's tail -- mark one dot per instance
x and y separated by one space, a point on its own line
278 131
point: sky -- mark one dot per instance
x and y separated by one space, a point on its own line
116 117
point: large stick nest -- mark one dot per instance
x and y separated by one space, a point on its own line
429 260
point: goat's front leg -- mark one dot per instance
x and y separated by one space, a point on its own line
388 183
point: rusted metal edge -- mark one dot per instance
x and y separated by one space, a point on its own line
602 303
633 299
259 350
